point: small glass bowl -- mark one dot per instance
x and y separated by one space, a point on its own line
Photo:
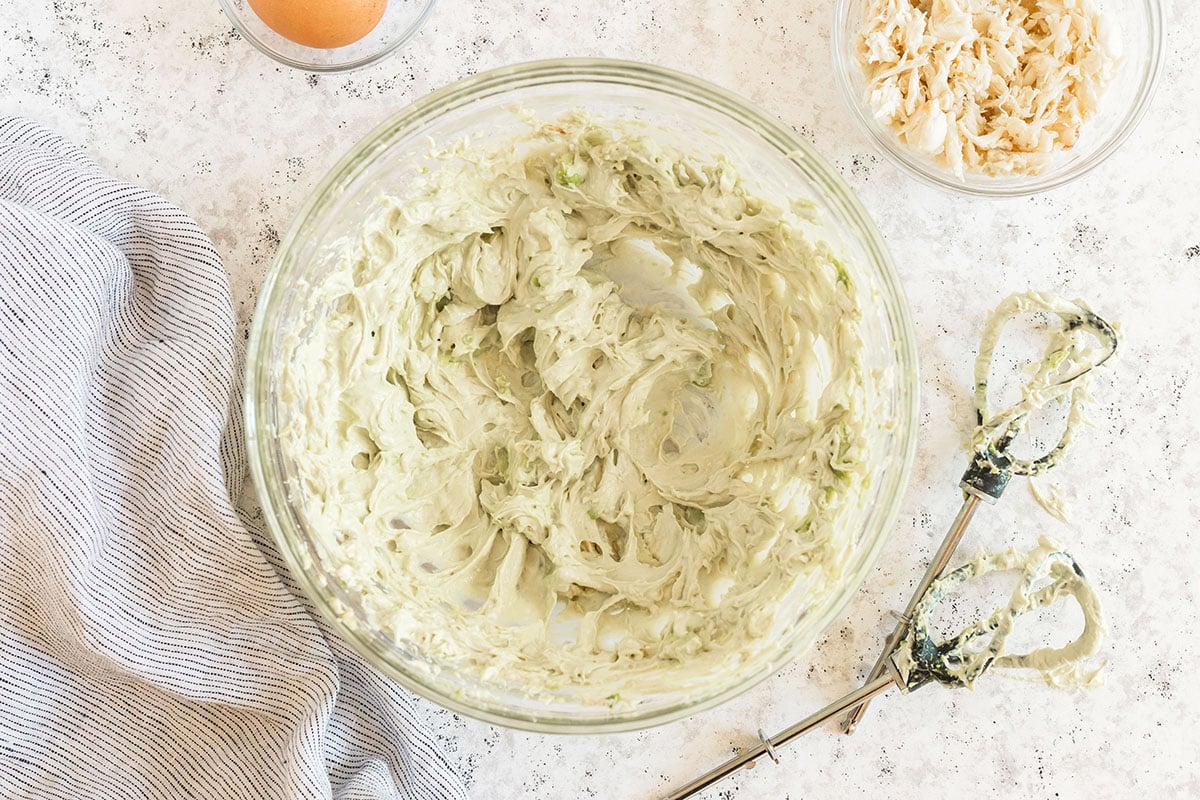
1121 106
685 112
400 22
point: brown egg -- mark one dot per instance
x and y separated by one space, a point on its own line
320 23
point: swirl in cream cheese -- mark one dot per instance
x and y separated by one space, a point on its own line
582 409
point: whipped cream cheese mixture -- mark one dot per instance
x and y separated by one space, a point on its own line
996 87
580 409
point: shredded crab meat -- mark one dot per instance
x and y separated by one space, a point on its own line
994 87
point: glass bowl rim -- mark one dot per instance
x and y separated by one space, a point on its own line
947 181
398 126
358 63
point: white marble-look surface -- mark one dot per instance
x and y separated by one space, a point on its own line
166 95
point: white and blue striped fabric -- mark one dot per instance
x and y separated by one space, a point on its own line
151 642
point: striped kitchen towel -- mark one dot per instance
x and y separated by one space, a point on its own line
151 642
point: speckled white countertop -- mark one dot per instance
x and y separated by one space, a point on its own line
164 94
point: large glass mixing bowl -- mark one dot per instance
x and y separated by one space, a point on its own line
694 115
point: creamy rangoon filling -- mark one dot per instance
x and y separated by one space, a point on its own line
994 87
583 409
